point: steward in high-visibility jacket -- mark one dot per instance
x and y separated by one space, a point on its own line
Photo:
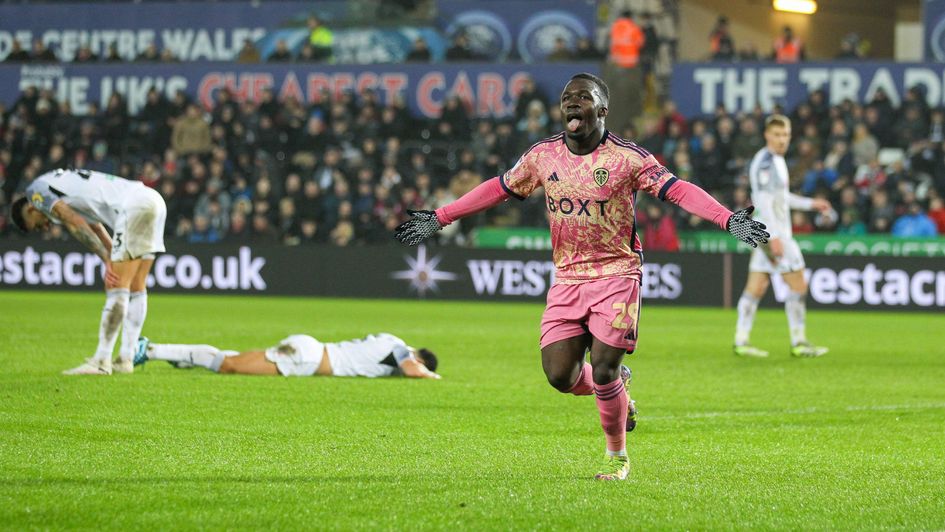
626 40
321 38
788 48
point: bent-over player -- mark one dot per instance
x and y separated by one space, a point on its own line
84 202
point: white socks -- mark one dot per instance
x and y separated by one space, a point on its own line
205 356
747 308
134 322
795 306
113 314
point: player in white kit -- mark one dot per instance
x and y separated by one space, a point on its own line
773 202
300 355
84 202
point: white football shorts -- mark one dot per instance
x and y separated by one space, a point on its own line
297 356
139 228
791 261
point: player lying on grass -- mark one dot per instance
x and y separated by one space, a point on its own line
84 202
299 355
590 179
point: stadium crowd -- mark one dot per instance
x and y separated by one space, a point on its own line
344 170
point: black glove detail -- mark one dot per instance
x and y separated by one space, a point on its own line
749 231
418 228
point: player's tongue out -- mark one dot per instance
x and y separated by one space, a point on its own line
574 124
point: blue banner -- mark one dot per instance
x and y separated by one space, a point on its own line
517 29
490 90
193 31
933 21
698 87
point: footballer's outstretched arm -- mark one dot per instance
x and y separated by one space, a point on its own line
423 224
697 201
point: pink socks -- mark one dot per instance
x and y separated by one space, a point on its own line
612 404
585 384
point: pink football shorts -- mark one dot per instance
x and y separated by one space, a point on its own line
608 308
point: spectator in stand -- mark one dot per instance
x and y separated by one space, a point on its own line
651 44
248 54
839 162
191 133
84 55
306 53
150 54
42 54
262 231
17 53
167 56
561 52
914 223
419 52
281 54
881 212
850 48
626 41
202 232
460 49
865 145
112 55
937 214
671 115
721 45
818 177
851 224
788 48
585 50
659 229
528 94
322 40
800 223
116 124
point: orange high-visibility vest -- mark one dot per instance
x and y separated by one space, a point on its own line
787 51
626 39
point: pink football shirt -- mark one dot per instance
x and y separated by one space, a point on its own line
590 201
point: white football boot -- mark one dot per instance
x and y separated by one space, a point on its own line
91 367
123 365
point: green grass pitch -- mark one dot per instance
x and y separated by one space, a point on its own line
854 440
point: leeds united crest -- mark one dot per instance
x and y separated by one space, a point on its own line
601 175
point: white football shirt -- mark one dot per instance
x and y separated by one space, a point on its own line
96 196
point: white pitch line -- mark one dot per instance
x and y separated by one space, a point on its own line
796 412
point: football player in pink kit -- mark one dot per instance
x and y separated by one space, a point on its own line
590 178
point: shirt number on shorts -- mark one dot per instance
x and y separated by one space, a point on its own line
620 321
118 240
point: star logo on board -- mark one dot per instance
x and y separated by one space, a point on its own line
422 273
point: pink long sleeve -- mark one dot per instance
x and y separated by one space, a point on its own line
699 202
487 194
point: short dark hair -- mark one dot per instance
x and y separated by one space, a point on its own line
428 358
597 81
16 213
